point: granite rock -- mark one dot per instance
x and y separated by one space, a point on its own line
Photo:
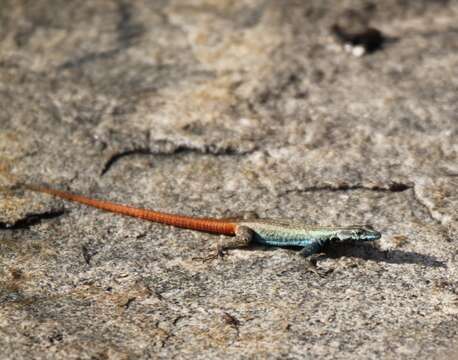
214 108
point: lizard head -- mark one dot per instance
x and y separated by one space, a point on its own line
358 233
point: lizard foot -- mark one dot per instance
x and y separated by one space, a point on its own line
219 254
316 270
311 266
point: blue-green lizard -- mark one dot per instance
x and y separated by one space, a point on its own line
268 232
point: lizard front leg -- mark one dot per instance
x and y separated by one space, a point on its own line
313 248
311 252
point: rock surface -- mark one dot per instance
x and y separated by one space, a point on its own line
216 108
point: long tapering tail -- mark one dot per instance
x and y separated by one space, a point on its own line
186 222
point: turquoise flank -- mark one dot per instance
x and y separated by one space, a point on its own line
285 233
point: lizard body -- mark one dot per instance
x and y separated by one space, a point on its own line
263 231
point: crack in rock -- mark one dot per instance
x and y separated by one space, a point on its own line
88 58
30 220
175 149
127 28
115 157
391 187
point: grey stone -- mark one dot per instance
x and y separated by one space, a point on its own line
214 108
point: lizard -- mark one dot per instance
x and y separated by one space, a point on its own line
281 233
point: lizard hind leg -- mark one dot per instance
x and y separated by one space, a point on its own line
243 238
311 252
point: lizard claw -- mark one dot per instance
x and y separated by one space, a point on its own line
218 255
311 266
318 271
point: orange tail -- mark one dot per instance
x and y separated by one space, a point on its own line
186 222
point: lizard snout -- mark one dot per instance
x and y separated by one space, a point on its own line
369 234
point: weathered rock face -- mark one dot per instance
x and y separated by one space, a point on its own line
215 108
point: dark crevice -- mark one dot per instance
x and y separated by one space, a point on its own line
392 187
114 158
56 338
178 149
371 39
129 302
30 220
88 58
127 29
88 254
353 28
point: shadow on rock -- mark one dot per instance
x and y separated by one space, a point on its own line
371 252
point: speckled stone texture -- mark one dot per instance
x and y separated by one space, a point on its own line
215 108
